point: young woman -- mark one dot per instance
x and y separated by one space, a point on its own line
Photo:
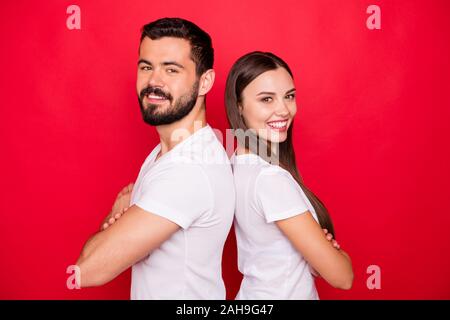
279 223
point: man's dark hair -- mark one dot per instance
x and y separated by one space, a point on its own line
202 52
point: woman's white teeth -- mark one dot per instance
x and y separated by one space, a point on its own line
278 124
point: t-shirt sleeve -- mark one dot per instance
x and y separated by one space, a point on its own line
180 193
278 195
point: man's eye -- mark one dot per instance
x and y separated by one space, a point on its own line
146 68
266 99
172 71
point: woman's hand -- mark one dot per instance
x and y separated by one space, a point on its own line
330 238
335 244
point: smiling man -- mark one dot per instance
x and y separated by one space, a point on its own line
182 203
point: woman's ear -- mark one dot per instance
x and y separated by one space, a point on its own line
206 82
240 109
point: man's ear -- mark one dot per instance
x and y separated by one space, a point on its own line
206 82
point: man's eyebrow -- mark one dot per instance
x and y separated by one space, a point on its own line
172 63
144 61
166 63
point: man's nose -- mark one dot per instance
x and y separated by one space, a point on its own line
155 79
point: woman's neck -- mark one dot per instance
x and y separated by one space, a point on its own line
242 150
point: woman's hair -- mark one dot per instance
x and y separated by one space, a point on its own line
244 71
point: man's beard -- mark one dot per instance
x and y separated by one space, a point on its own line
176 111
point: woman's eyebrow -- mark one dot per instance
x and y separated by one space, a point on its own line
266 92
273 93
290 91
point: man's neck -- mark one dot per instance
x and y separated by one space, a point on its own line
172 134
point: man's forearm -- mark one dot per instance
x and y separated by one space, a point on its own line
88 246
86 252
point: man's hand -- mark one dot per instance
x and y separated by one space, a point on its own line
335 244
120 206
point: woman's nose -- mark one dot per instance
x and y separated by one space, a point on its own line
282 109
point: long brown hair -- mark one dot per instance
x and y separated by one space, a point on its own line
244 71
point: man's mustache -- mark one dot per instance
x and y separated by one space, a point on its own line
156 91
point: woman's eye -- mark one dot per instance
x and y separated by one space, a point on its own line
266 99
291 96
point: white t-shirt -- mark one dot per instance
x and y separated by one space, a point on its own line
271 266
191 185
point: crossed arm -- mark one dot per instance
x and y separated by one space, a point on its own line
123 242
114 249
325 257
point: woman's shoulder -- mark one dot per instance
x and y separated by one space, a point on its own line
270 174
252 166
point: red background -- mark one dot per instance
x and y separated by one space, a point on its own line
371 134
